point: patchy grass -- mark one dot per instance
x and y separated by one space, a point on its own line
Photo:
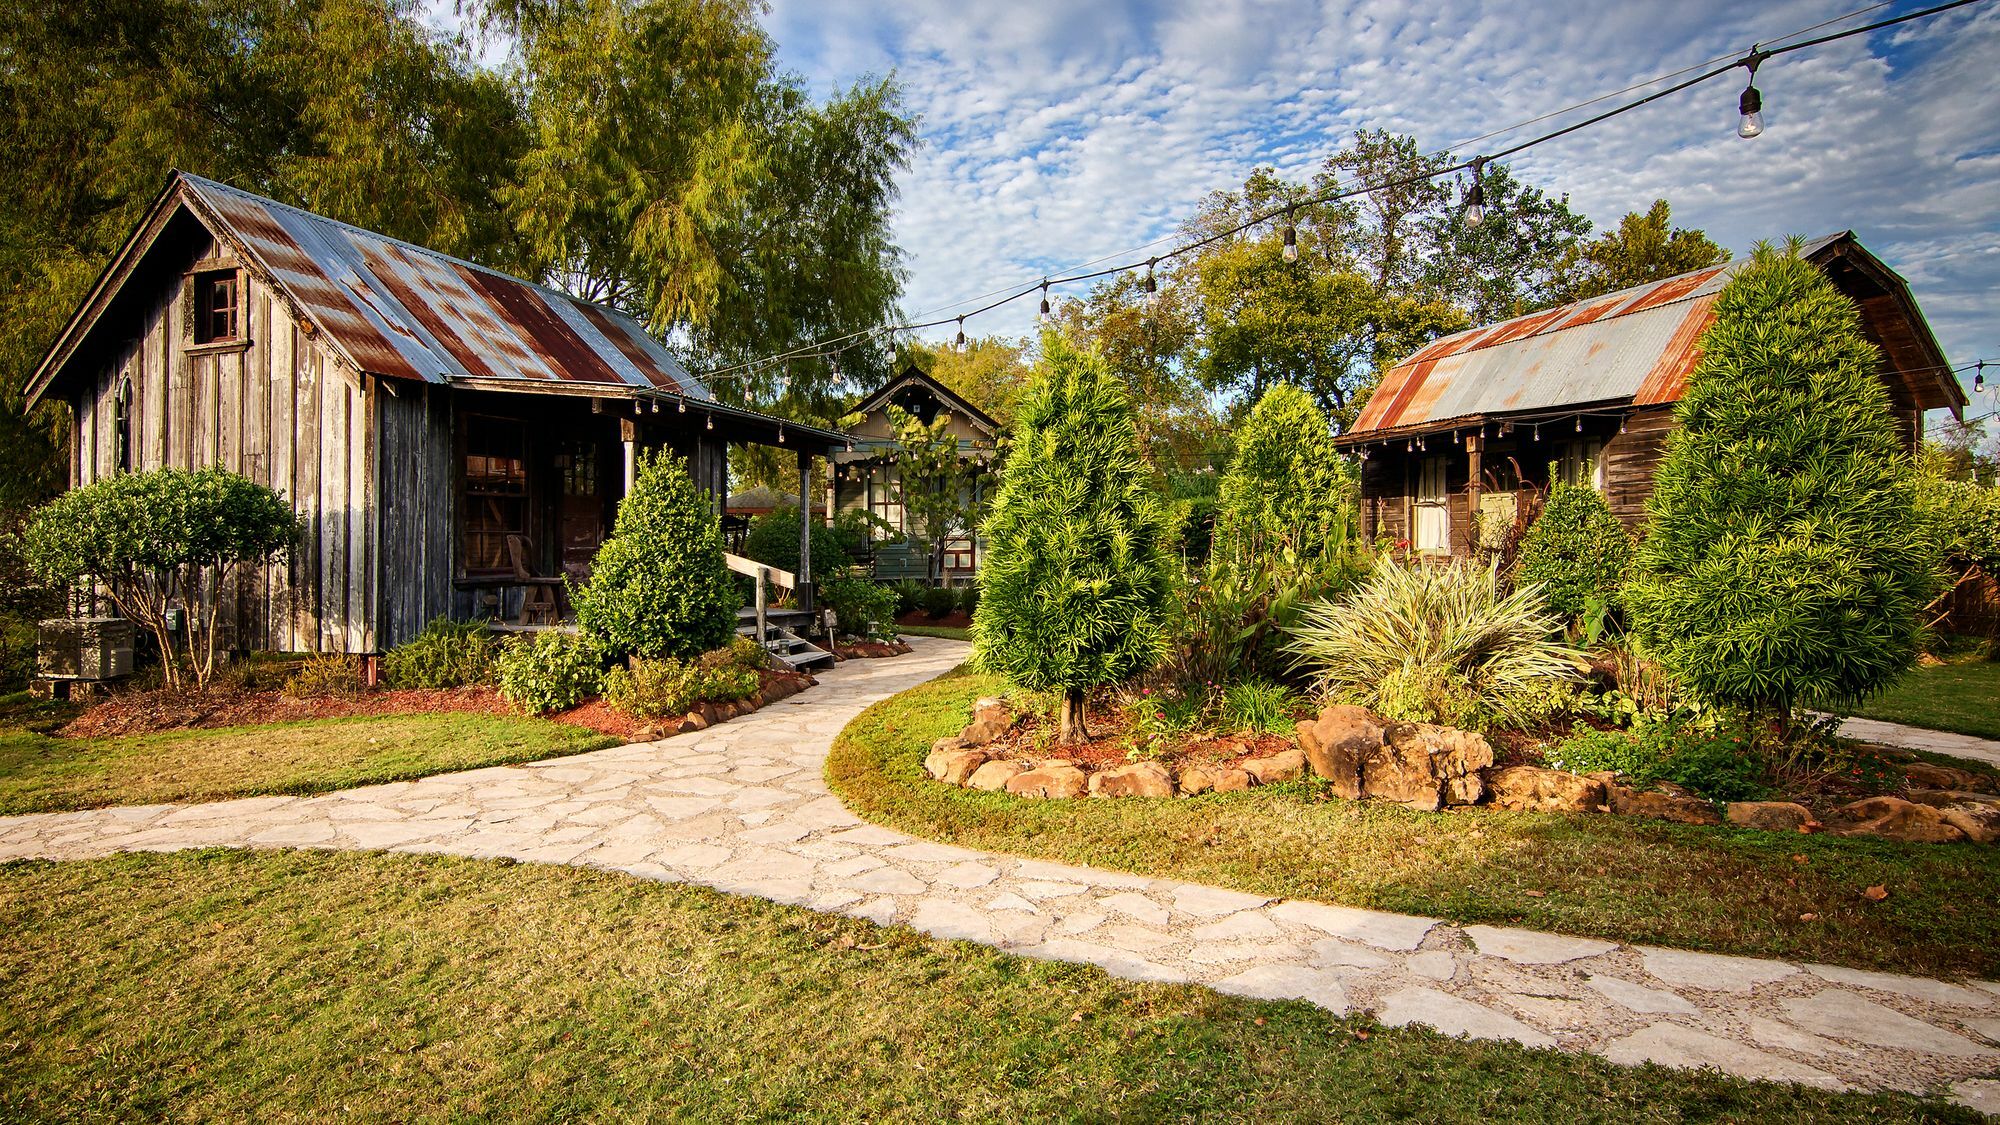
227 985
39 773
1955 697
945 631
1726 890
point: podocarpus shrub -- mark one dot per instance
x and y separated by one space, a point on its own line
1576 551
549 671
659 585
862 607
968 599
446 654
1437 644
162 540
1074 584
1286 485
1783 561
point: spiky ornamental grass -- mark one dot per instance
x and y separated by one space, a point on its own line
1074 585
1436 644
1783 562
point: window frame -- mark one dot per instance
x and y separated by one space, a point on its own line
203 309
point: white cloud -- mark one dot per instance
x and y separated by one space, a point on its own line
1057 133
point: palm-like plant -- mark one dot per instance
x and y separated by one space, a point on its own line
1434 644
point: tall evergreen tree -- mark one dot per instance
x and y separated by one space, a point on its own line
1074 588
1784 562
1287 485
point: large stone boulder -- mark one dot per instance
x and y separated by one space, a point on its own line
1337 743
1666 803
1893 818
990 720
1286 765
1427 767
994 775
1213 779
1534 789
1054 780
941 750
1927 775
1770 816
1975 814
1140 779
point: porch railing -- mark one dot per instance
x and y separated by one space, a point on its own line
766 577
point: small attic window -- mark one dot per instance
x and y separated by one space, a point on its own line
217 301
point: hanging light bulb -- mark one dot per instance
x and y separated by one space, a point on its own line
1538 431
961 331
656 406
1621 423
1579 423
1979 378
781 433
1291 239
681 407
1475 196
1750 106
1152 287
711 421
1420 445
1409 446
1045 298
637 409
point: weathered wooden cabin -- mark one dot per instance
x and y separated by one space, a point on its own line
455 439
867 477
1586 392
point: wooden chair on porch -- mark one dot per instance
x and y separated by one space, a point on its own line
541 596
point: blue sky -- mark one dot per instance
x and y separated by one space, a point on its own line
1058 133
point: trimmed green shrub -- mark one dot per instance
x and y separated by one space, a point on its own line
659 586
549 671
446 654
1287 484
1576 552
656 688
1436 644
939 601
160 540
968 598
326 674
773 539
1721 765
864 608
1784 562
1075 583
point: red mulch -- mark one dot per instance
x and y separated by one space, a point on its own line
144 712
1111 742
868 650
956 619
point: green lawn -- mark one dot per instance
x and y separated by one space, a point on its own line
43 774
1627 880
233 986
944 631
1956 697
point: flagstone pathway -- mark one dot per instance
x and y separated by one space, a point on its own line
743 808
1919 738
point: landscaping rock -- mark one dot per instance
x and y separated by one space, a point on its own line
1213 778
1770 816
1663 804
1140 779
940 750
1893 818
1975 814
1533 789
691 723
1286 765
1059 781
1426 766
994 775
959 765
1925 775
990 720
1338 742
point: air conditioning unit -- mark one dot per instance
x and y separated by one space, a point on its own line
84 648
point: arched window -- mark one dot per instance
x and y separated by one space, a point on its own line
121 413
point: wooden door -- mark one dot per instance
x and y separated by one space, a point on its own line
580 462
1433 516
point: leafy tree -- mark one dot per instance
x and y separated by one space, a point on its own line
659 585
1287 485
773 539
163 540
1784 562
1644 248
1576 551
1074 589
1511 263
1147 340
1961 516
937 486
990 372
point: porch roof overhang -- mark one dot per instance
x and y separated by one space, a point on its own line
1608 408
741 422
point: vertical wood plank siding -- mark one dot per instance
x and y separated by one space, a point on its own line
1631 459
283 413
415 517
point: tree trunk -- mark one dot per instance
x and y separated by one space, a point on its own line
1071 730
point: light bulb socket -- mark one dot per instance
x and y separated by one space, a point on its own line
961 331
1152 286
1750 102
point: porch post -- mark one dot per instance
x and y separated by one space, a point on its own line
1474 446
628 434
805 530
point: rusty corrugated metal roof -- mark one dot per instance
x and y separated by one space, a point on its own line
1637 345
403 311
